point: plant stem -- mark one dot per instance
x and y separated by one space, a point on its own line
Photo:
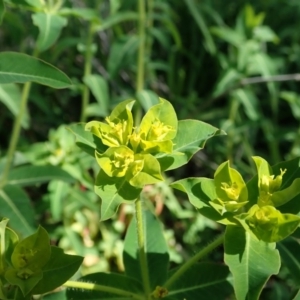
141 50
15 133
193 260
87 71
140 76
141 245
102 288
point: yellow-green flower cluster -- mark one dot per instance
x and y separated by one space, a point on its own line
131 150
262 218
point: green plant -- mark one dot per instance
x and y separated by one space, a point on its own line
52 182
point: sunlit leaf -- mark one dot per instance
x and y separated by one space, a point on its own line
113 191
250 261
59 263
191 137
21 68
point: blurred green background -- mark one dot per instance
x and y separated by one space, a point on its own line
233 64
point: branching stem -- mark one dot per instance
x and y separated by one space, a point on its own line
180 272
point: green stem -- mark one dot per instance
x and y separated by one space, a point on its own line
87 71
140 77
102 288
193 260
141 50
15 133
141 245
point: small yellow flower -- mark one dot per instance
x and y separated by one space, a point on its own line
158 131
232 190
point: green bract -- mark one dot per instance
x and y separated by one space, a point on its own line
259 206
28 259
231 190
269 224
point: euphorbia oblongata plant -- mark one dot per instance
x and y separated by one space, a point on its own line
256 214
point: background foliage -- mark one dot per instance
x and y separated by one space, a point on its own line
233 65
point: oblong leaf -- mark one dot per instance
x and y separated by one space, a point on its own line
16 206
99 88
156 251
202 281
191 137
21 68
31 175
59 263
85 140
289 250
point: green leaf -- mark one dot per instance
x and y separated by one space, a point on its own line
113 191
99 88
123 286
249 101
60 268
32 175
85 140
289 250
21 68
57 192
147 99
121 53
292 172
164 113
156 251
2 10
10 96
16 206
281 197
84 13
191 137
203 280
250 261
50 26
229 35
